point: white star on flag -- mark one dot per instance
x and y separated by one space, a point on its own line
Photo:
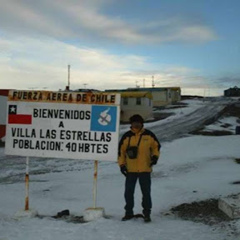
13 109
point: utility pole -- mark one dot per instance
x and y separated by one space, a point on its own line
68 76
153 84
68 83
144 82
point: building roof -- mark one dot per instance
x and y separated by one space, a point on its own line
135 94
148 89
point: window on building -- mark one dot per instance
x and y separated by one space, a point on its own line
125 101
138 101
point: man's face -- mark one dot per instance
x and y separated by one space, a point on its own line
136 125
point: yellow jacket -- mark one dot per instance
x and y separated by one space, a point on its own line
148 147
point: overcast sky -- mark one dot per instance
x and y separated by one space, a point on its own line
194 44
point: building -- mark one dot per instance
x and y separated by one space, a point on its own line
160 96
232 92
136 103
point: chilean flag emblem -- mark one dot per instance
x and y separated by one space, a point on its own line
15 118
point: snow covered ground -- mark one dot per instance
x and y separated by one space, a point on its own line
191 168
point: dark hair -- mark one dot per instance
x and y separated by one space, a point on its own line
136 118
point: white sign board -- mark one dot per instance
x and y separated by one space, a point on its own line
63 125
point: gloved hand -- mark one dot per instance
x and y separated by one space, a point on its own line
154 160
123 170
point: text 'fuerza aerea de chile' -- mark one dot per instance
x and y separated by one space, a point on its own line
67 97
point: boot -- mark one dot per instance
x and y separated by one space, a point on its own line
127 217
147 218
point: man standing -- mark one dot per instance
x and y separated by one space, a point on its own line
139 150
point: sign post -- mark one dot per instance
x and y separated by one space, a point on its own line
95 184
68 125
27 185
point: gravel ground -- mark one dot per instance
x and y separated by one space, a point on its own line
207 212
204 211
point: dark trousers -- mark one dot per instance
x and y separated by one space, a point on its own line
145 185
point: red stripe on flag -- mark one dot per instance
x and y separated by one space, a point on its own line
19 119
